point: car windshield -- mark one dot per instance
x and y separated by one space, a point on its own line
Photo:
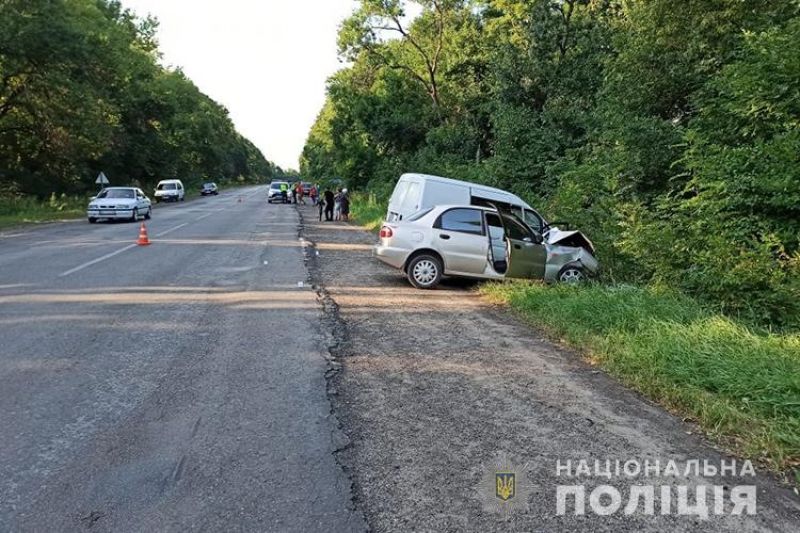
209 185
117 193
166 186
275 186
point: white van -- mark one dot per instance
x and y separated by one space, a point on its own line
415 192
170 191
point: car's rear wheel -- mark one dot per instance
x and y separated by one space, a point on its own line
424 271
571 275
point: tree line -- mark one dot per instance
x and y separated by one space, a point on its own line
667 131
82 91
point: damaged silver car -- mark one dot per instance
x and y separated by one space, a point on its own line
481 242
570 254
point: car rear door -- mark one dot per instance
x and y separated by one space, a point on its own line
460 237
527 255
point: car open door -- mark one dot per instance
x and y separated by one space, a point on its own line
527 254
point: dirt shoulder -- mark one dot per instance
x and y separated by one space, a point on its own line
438 390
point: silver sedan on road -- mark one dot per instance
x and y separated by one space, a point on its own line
476 242
119 203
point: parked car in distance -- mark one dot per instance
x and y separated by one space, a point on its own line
119 203
170 191
209 188
275 195
475 242
306 188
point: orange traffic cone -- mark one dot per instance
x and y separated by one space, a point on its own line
143 239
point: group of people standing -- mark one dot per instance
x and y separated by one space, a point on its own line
335 206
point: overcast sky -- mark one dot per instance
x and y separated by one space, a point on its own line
265 60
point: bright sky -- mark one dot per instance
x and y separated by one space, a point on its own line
264 60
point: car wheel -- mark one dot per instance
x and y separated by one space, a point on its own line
571 275
424 271
149 212
135 215
92 220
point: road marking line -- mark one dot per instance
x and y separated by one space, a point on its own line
207 215
95 261
171 229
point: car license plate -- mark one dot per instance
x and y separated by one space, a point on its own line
107 212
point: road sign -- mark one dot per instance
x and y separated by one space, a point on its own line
101 179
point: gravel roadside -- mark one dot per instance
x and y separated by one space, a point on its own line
438 390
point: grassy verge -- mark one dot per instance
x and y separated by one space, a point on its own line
366 211
741 386
16 211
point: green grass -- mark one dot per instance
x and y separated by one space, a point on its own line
742 386
366 211
15 211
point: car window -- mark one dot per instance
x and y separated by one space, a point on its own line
515 230
463 220
116 193
496 231
533 219
166 186
410 200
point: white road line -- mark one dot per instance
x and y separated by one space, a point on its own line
95 261
208 214
170 230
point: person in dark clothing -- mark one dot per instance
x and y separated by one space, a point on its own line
328 205
344 202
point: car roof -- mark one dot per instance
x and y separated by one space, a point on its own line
129 187
442 179
439 208
169 181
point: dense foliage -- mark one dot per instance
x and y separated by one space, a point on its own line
669 135
81 91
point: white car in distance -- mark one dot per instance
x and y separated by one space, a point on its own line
119 203
170 191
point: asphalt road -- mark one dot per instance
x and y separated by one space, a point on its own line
179 385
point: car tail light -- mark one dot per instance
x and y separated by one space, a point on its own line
386 232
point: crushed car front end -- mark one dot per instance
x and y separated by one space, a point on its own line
570 257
